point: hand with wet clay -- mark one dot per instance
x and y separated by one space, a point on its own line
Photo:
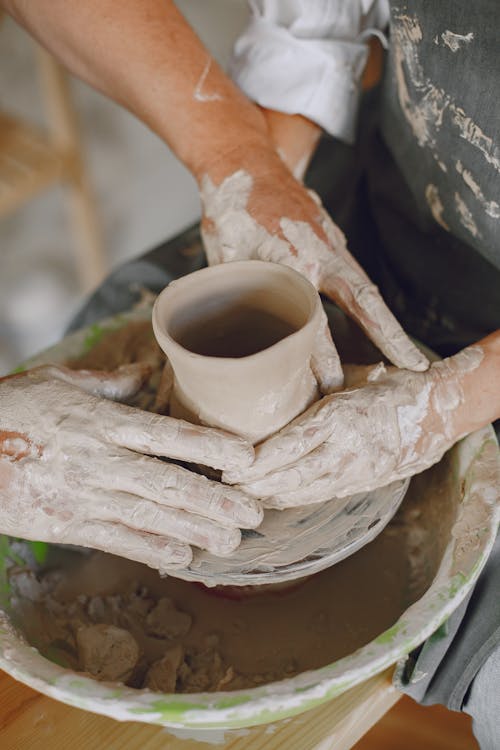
369 435
76 467
262 211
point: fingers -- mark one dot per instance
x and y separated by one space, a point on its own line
175 487
115 538
325 473
145 432
362 301
146 516
300 475
334 271
344 281
303 435
325 362
117 385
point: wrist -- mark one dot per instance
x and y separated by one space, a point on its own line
480 387
253 154
294 137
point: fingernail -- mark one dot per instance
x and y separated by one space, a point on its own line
250 514
228 540
178 554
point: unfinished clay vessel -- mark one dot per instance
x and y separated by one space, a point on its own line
239 337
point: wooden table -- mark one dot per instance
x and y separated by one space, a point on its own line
32 721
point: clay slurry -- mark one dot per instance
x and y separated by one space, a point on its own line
243 332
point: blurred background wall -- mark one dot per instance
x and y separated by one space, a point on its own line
143 194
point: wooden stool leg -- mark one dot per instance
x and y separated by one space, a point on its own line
65 136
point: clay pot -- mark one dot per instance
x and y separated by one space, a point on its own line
239 337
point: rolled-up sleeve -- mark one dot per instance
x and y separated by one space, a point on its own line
307 57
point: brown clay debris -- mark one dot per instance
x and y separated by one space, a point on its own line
107 652
166 621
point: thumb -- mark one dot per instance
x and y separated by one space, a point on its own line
117 385
325 361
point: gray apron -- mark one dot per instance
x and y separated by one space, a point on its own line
440 122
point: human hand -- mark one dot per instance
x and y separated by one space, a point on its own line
368 436
77 468
261 211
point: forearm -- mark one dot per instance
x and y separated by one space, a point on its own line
481 389
295 139
144 55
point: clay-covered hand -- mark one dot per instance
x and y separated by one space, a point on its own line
364 437
263 212
77 468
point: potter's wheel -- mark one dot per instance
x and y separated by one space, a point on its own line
298 542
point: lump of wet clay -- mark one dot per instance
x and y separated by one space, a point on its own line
162 674
166 621
107 652
201 670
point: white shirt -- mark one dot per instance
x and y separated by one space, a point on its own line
307 57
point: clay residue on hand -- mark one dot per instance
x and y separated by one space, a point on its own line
14 446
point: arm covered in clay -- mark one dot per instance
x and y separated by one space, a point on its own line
144 55
76 467
370 435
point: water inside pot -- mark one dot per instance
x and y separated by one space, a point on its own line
241 332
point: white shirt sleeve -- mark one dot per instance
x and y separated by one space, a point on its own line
307 57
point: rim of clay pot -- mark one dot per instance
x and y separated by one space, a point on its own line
476 472
180 288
